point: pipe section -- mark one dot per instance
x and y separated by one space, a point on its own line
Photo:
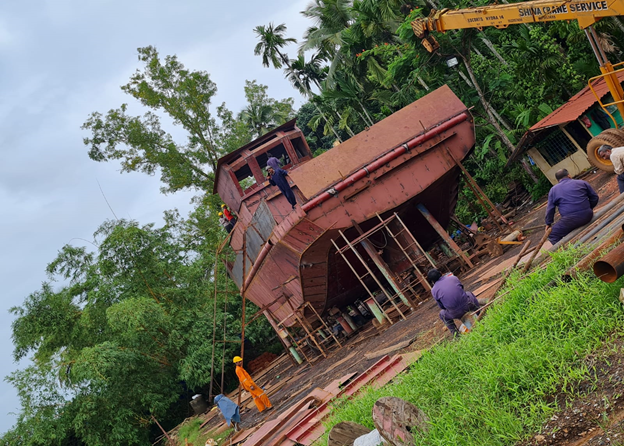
610 267
603 210
385 159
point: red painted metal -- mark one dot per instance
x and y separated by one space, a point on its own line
380 162
310 428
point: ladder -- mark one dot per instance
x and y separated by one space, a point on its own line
322 331
392 298
405 249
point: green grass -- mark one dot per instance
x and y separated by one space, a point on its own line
190 432
492 387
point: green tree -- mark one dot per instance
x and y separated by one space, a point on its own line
126 336
262 113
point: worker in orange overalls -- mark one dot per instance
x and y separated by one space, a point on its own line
260 398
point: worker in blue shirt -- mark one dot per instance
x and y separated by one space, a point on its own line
575 199
453 300
277 177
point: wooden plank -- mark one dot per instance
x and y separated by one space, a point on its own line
387 350
345 433
313 281
320 289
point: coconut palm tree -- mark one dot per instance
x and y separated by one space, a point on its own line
270 44
272 40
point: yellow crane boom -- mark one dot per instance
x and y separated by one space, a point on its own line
585 12
501 16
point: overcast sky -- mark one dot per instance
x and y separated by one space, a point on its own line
61 60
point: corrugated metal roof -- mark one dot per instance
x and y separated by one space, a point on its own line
576 106
568 112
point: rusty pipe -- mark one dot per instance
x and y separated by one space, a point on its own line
254 269
610 267
589 259
379 162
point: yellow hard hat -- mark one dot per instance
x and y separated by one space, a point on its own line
222 205
220 214
237 359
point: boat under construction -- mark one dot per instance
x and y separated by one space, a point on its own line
368 212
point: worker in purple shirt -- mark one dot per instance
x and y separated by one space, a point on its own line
273 162
575 199
277 177
453 300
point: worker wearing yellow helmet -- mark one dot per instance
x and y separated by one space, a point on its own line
227 224
228 214
259 397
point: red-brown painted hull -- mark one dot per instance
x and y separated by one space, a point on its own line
302 265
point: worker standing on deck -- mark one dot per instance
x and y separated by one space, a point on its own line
277 177
616 155
228 214
259 397
575 199
453 300
273 162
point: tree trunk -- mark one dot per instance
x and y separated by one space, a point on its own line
328 123
349 131
527 168
618 23
494 51
370 120
502 135
498 117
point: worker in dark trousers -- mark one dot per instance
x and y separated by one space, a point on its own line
576 201
453 300
616 156
277 177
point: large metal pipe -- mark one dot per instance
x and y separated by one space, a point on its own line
380 162
589 259
598 214
608 220
610 267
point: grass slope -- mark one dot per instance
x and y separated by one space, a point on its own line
492 387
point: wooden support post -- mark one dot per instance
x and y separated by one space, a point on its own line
537 249
447 238
361 279
161 428
478 192
242 354
379 284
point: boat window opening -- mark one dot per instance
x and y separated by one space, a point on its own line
245 178
300 148
279 152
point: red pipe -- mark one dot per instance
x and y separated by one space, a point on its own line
611 267
378 163
263 253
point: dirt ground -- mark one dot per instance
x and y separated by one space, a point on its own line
597 416
581 422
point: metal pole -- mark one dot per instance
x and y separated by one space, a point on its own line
606 68
447 238
242 353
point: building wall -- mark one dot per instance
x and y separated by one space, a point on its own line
575 164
